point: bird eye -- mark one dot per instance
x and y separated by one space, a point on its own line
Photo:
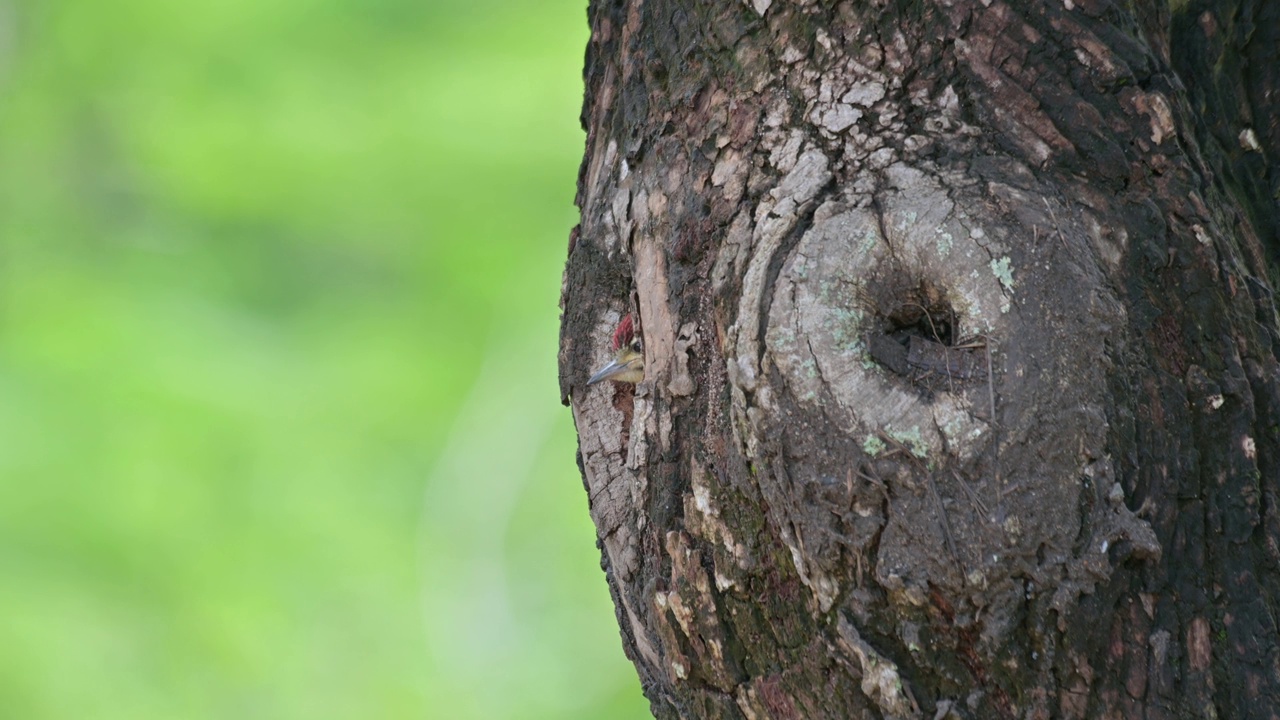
635 346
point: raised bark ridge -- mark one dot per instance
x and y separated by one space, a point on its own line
961 394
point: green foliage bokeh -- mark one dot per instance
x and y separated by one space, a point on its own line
279 423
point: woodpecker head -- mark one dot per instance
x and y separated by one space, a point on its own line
628 357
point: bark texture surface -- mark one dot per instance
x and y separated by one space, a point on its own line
961 392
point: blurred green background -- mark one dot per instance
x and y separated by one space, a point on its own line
279 425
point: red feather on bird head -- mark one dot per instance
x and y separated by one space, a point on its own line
624 333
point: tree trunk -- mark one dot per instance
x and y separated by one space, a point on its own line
961 393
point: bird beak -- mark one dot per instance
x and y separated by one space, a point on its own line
611 370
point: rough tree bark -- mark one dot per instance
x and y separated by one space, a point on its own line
962 396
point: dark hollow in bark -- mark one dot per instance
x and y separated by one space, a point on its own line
962 395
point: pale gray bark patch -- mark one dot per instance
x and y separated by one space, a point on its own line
924 239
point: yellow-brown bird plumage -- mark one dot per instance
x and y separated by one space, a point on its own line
628 360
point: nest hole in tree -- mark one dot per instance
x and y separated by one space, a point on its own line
918 336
